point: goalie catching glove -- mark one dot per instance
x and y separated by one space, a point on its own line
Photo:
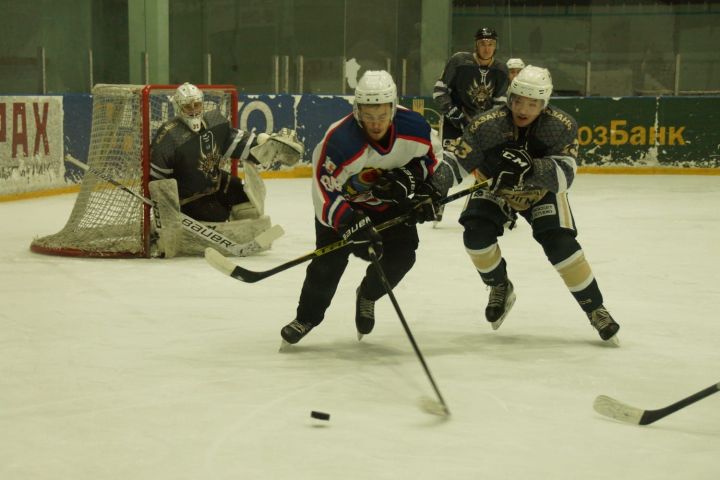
360 234
283 147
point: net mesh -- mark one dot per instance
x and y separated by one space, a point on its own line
107 221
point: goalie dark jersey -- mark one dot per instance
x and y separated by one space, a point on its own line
551 141
193 159
470 86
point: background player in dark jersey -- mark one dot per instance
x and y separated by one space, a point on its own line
471 83
191 147
528 149
365 169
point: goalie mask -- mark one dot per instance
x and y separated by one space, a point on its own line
375 87
532 82
188 103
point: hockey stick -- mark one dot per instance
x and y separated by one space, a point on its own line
427 404
229 268
262 241
612 408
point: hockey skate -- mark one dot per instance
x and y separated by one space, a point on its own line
500 302
606 326
293 332
364 315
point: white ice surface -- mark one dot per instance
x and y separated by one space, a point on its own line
165 369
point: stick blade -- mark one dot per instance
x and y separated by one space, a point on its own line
617 410
218 261
266 238
225 266
433 407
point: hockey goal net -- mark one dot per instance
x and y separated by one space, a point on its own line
107 221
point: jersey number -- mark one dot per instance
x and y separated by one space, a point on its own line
330 183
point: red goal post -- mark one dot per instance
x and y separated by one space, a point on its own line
107 221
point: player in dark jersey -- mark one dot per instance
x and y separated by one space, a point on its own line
191 147
470 84
528 150
365 169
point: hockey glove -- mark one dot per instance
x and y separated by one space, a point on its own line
516 164
425 206
456 116
395 186
360 234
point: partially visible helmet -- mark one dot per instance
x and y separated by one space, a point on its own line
375 87
515 63
188 103
486 32
534 82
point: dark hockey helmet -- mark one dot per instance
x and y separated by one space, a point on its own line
486 32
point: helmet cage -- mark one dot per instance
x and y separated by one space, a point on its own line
184 101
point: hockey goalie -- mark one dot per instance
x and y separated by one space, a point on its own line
187 176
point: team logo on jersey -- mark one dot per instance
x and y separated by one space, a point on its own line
209 162
207 142
361 182
479 93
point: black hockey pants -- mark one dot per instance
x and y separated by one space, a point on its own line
324 273
216 207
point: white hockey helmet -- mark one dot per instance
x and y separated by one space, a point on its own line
533 82
188 103
515 63
375 87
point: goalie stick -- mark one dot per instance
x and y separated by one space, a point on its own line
618 410
222 264
260 242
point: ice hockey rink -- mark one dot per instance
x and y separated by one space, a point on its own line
165 369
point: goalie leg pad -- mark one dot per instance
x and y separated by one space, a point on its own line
168 225
254 187
240 231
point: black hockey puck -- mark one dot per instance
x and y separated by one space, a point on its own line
320 415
